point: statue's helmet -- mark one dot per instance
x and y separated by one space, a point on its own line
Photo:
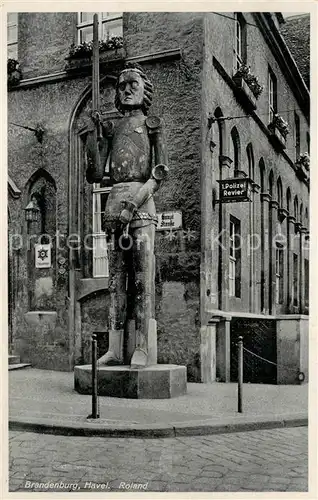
148 87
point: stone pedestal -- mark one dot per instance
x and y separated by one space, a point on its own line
152 382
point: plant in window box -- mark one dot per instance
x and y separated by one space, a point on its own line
14 73
279 129
81 54
244 73
303 162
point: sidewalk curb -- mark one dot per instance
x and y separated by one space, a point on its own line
154 431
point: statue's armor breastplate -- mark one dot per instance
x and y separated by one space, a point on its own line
131 153
130 168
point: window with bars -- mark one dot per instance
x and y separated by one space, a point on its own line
235 258
100 257
110 24
272 94
240 41
279 274
12 35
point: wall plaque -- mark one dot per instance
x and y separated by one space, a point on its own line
42 256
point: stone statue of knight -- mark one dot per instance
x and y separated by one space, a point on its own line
138 164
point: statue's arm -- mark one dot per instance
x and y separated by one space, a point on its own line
98 146
158 173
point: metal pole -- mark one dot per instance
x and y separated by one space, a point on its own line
240 374
94 378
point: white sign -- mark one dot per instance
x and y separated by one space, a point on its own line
42 256
169 220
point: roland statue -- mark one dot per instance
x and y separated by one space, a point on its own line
136 152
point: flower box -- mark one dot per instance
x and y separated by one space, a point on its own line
244 93
302 171
85 61
303 161
278 139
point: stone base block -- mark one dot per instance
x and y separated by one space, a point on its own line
152 382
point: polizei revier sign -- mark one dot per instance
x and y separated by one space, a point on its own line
235 190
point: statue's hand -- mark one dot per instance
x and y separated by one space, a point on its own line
125 216
128 211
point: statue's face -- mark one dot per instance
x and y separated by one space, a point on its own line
131 90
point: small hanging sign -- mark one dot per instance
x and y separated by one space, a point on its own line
235 190
42 256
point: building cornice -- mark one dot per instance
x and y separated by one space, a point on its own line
285 59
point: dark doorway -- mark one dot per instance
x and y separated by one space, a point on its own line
259 337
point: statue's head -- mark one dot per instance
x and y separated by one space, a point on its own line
133 89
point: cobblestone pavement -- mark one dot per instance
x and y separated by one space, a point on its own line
265 460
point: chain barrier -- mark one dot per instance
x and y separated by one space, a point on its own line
267 360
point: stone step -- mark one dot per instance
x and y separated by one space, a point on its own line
13 359
19 366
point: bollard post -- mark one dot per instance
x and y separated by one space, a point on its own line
94 377
240 374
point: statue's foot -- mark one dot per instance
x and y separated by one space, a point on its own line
109 359
139 359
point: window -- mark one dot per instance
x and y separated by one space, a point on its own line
235 258
295 280
279 274
272 94
110 24
12 35
100 258
297 135
240 41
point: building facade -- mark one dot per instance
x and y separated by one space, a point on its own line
232 268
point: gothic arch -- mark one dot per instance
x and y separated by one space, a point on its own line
250 160
301 213
296 206
288 199
280 197
271 186
261 165
222 131
235 138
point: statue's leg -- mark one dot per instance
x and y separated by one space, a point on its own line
117 310
143 261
